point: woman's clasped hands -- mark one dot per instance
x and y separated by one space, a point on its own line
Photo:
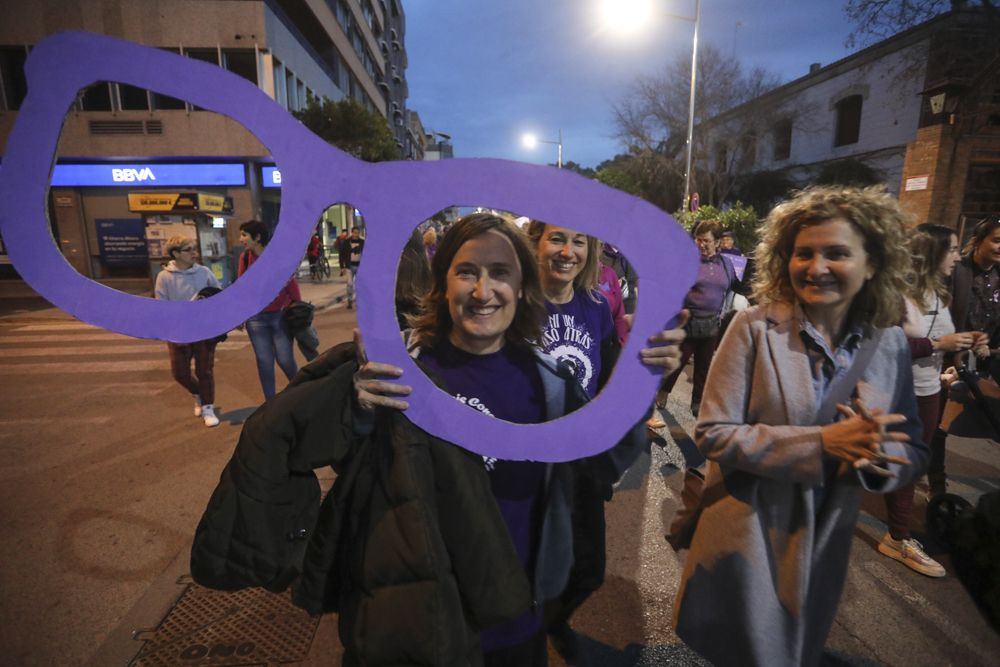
858 438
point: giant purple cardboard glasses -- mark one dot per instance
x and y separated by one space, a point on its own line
395 197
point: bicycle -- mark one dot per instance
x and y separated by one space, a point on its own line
320 269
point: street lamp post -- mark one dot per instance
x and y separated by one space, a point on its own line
631 16
696 19
531 141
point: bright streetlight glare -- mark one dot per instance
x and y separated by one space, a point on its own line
529 140
625 16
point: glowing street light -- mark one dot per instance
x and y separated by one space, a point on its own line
625 16
531 141
630 16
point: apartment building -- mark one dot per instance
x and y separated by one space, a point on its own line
120 142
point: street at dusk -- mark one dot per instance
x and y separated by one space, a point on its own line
698 316
101 507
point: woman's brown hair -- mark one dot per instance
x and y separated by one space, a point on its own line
929 247
434 321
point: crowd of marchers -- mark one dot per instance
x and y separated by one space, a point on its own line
820 368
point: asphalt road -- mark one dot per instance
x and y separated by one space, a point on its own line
105 473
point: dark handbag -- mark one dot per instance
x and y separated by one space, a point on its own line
204 293
297 316
703 327
686 516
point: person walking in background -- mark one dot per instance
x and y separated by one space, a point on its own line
708 300
270 341
355 244
628 280
430 242
343 251
313 251
727 245
931 334
181 280
612 291
788 459
975 306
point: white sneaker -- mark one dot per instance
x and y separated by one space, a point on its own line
197 405
911 554
208 414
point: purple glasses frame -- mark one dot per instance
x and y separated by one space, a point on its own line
395 197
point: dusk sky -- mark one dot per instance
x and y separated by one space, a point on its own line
487 72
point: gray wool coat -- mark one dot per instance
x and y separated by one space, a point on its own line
767 565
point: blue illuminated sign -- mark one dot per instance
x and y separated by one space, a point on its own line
148 174
270 177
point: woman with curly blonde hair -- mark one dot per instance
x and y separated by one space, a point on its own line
788 458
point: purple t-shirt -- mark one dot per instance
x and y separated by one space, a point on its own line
573 333
709 290
505 385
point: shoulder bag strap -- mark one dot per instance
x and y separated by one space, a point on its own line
841 389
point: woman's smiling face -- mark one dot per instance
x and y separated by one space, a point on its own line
562 254
828 266
483 288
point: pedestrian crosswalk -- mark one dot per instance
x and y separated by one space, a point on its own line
73 348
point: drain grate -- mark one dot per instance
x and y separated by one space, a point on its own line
246 628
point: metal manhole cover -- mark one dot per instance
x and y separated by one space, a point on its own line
246 628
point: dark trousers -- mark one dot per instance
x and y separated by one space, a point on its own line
899 503
702 350
935 468
202 383
587 573
532 653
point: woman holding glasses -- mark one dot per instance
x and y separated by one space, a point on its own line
808 403
478 335
429 553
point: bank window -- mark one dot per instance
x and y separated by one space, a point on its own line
293 103
848 127
131 98
278 73
782 134
165 101
242 62
333 60
205 55
13 85
96 97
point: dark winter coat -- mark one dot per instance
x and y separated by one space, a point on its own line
409 546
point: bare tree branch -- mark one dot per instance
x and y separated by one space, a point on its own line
876 20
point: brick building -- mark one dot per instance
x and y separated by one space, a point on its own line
920 110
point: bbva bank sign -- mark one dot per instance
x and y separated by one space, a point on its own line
132 175
156 174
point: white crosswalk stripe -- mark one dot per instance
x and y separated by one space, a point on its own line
73 348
